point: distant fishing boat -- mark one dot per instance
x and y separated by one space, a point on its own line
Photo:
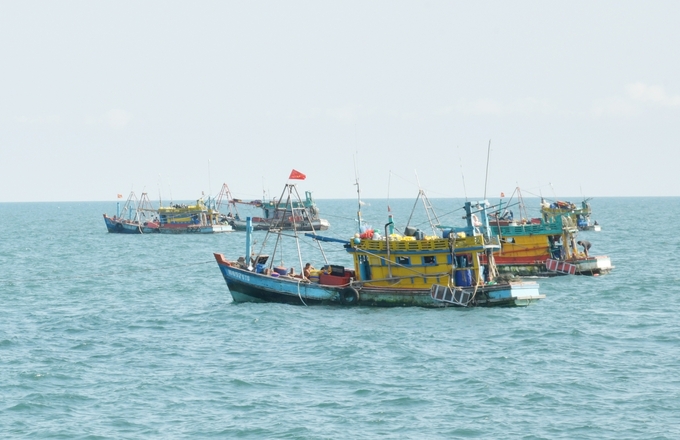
580 215
202 217
299 215
544 248
541 247
389 270
198 218
136 217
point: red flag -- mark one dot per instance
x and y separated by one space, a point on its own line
120 196
295 174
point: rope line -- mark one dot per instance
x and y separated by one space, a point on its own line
299 294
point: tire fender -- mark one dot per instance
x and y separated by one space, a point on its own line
349 296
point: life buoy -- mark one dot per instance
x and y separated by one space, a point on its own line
349 296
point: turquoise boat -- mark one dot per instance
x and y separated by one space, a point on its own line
296 214
137 216
579 215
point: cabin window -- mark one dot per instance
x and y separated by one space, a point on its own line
404 261
429 260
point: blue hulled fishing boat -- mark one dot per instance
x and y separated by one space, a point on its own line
136 217
388 270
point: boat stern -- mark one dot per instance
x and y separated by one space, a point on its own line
520 293
598 265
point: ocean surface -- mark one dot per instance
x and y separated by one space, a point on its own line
107 336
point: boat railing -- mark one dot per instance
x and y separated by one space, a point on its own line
409 244
493 241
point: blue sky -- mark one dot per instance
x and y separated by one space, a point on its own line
175 98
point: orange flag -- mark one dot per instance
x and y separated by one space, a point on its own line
120 196
295 174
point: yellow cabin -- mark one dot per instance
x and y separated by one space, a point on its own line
405 262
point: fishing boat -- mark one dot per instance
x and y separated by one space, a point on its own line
298 215
138 216
542 248
203 217
199 218
581 216
389 270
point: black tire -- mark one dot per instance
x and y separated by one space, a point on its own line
349 296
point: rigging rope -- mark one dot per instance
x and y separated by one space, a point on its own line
299 294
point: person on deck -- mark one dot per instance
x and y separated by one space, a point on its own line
586 246
292 274
307 271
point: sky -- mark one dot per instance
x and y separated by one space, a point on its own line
458 98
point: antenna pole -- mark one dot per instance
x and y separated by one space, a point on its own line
486 179
356 182
460 159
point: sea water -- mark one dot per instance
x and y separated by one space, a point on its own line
120 336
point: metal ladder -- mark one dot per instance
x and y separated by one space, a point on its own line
445 294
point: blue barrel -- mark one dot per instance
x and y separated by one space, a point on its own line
463 278
259 268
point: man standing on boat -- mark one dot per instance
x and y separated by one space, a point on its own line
586 246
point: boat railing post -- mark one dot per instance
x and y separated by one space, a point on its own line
249 232
485 221
387 248
469 230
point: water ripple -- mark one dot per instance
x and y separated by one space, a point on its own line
167 354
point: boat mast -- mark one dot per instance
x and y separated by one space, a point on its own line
460 159
356 182
304 216
486 179
249 233
358 205
209 181
225 192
